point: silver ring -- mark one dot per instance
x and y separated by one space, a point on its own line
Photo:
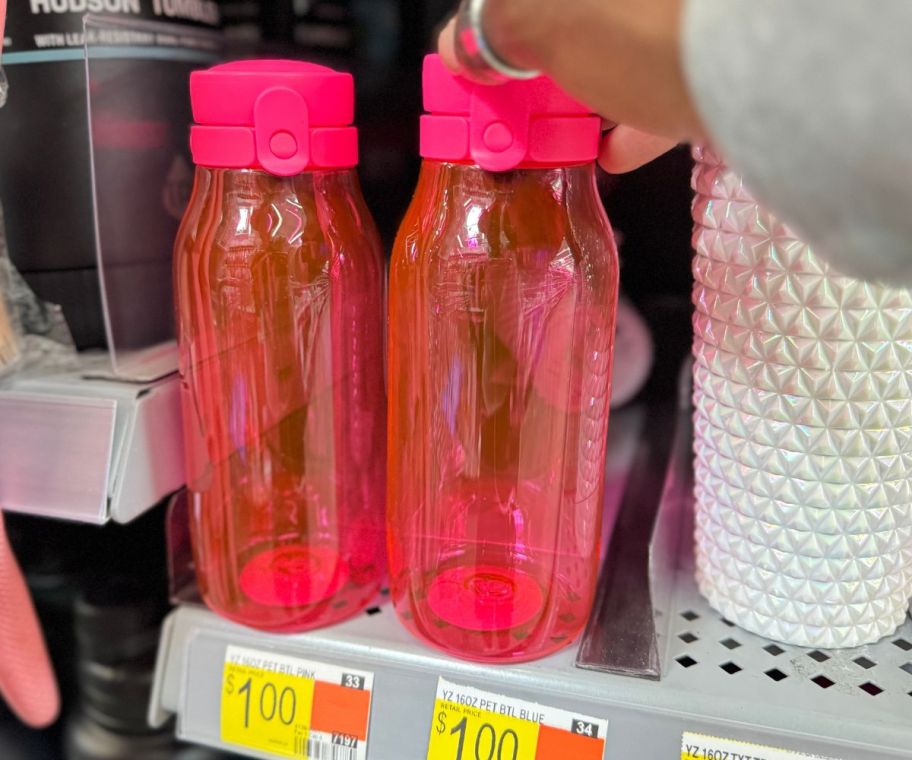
474 52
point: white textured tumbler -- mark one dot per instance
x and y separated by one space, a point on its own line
803 397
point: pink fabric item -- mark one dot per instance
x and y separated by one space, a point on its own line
517 124
283 117
27 680
2 22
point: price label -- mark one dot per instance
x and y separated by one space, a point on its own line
470 724
295 708
701 747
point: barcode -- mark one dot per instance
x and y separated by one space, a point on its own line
315 749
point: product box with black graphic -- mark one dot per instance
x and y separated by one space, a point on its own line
94 165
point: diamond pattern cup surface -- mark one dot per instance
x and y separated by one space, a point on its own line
803 420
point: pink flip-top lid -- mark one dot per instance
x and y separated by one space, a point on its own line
530 123
284 117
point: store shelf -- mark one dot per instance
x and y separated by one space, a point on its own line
89 450
646 718
716 679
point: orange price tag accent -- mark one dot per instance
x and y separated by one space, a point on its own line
470 724
294 708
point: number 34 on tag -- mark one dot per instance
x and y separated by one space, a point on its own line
470 724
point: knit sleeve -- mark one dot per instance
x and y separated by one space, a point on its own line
811 101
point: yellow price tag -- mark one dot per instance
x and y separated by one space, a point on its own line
471 724
461 732
294 708
265 710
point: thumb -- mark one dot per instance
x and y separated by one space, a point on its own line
446 45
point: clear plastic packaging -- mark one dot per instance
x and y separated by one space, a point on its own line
10 350
10 338
34 335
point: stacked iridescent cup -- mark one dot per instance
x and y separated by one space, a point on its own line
803 417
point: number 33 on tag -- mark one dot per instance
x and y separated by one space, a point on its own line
470 724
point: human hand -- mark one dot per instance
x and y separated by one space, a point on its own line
529 34
623 148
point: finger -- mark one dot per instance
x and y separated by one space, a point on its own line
624 149
446 46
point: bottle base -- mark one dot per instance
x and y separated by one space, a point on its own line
485 597
490 612
292 587
515 657
293 575
331 612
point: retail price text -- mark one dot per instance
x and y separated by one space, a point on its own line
491 706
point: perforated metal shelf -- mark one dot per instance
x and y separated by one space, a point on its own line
717 679
850 705
862 696
706 646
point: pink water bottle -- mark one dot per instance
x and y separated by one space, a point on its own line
279 302
503 290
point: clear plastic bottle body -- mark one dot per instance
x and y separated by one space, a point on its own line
279 295
503 291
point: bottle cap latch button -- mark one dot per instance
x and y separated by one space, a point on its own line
283 144
498 137
498 131
282 131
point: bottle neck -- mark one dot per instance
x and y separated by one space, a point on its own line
257 180
579 172
313 206
564 189
540 212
